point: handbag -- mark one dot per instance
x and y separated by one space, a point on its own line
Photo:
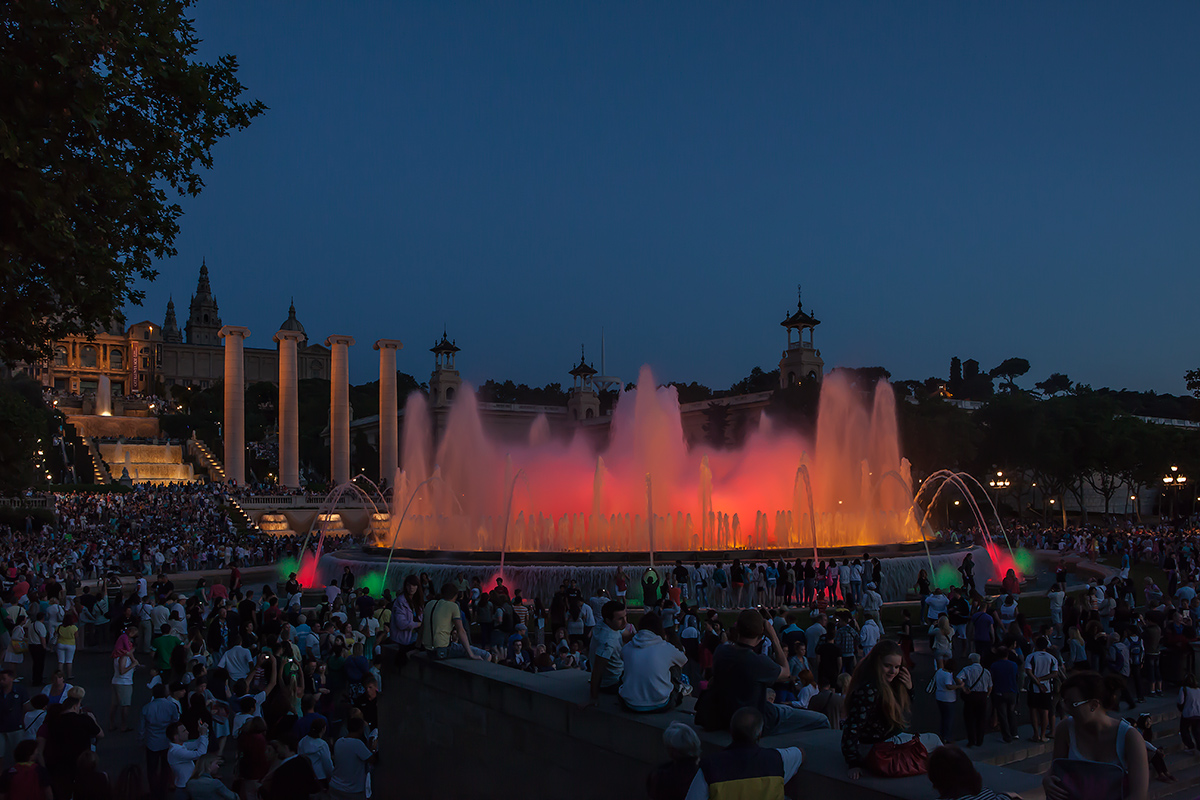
904 760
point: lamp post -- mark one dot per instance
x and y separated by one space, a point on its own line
998 483
1173 480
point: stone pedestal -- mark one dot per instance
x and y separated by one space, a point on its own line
289 410
339 409
235 403
388 433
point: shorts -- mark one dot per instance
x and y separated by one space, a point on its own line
124 693
66 653
1042 701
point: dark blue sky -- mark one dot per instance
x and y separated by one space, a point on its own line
981 180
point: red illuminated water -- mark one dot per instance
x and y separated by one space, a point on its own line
569 496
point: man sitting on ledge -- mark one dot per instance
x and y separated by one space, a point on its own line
652 669
744 769
442 623
741 676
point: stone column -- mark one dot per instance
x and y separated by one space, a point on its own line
235 402
339 409
289 410
388 438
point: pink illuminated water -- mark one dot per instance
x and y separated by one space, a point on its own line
569 496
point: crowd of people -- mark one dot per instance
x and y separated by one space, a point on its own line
288 687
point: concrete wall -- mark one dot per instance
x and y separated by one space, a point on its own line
471 729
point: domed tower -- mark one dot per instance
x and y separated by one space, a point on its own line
293 324
583 401
801 361
445 381
204 320
170 330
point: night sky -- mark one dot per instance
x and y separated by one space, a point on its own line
981 180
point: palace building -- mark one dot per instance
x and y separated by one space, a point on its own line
148 358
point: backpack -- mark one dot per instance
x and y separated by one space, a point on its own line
1136 650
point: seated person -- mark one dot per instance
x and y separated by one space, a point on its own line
652 668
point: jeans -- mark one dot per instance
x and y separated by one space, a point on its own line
797 719
455 650
946 712
1189 731
1006 714
702 595
38 653
975 716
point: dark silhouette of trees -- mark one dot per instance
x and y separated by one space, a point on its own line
1010 369
114 112
1057 383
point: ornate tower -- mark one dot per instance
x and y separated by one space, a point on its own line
801 361
204 321
583 402
170 331
445 380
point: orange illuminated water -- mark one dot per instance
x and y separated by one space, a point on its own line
647 490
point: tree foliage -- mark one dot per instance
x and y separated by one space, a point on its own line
1057 383
105 110
1010 369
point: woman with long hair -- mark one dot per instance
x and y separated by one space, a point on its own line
406 617
877 705
1076 650
1090 737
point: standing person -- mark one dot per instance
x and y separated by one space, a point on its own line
945 691
977 686
650 588
1004 692
1041 667
122 687
1188 703
12 714
160 712
205 783
38 636
872 604
25 779
720 583
406 618
1091 735
65 646
671 781
1056 596
352 756
182 755
441 623
849 642
293 777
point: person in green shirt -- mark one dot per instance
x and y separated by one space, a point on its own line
164 645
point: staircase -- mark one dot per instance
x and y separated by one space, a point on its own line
100 471
207 461
238 516
1027 756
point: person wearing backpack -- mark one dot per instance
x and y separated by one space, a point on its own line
1137 657
1118 667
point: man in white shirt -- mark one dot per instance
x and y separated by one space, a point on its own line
738 763
652 668
332 592
182 754
869 635
976 686
1041 667
936 605
237 659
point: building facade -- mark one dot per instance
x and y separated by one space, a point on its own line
146 358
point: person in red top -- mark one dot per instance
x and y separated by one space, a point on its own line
20 588
25 780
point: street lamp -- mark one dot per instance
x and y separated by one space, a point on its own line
998 483
1174 480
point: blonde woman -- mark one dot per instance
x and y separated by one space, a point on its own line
943 638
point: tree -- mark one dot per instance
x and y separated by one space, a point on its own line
105 109
1192 376
864 378
692 392
1010 369
756 381
716 424
1057 383
24 423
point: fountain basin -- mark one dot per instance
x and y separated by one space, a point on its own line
540 574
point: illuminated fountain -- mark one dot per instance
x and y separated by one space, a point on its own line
546 509
104 397
572 499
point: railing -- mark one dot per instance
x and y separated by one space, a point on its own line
260 501
25 502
